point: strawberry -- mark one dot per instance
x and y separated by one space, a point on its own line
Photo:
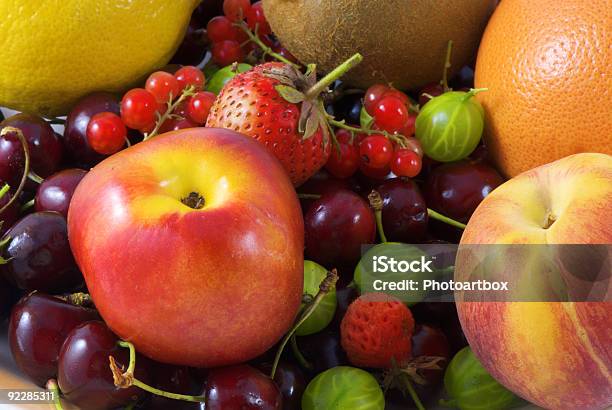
376 331
280 107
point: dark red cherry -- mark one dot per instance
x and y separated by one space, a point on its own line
291 382
404 212
12 160
174 379
84 375
39 325
345 296
39 256
193 48
323 350
10 215
429 340
55 193
241 387
336 225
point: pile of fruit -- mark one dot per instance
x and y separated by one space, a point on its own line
197 240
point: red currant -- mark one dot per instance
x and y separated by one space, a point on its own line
372 95
236 10
257 20
406 163
413 144
190 75
164 86
398 94
376 151
138 109
390 114
199 106
410 127
374 173
220 28
106 133
344 161
279 49
227 52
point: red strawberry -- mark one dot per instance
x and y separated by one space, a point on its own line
272 104
376 331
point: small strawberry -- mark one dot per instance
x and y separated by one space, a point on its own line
280 107
376 331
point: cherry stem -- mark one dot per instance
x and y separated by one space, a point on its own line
327 284
413 393
55 393
332 76
27 205
266 50
125 380
26 165
4 190
308 196
376 202
79 299
35 177
171 106
473 92
299 356
447 65
435 215
397 138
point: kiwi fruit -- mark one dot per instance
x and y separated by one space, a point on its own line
403 42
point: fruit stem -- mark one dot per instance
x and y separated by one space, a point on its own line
55 392
78 299
299 356
332 76
27 205
125 380
171 106
26 165
413 393
308 196
376 202
397 138
4 190
472 92
266 50
447 65
435 215
327 284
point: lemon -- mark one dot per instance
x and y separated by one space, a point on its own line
52 52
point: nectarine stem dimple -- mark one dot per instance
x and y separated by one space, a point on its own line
194 200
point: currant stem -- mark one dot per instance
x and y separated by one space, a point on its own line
328 283
299 356
398 138
413 393
187 92
447 65
26 165
125 380
435 215
332 76
267 50
55 391
376 203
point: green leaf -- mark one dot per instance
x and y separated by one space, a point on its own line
290 94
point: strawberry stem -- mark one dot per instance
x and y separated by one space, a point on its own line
332 76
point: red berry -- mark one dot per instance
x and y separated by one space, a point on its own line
344 161
175 124
376 331
372 95
414 144
376 151
236 10
392 92
199 106
164 86
106 133
138 109
406 163
410 127
220 28
227 52
256 19
190 75
379 174
390 114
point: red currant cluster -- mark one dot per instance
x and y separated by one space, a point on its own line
387 110
168 102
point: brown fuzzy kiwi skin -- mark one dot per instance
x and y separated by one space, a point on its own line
403 41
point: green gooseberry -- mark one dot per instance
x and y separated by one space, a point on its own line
343 387
222 76
364 275
450 125
471 387
325 311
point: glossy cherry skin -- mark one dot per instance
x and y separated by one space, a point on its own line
55 193
84 376
75 133
443 316
45 147
10 215
12 160
456 189
241 387
429 340
336 225
323 350
404 212
344 296
39 254
38 327
321 183
291 382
